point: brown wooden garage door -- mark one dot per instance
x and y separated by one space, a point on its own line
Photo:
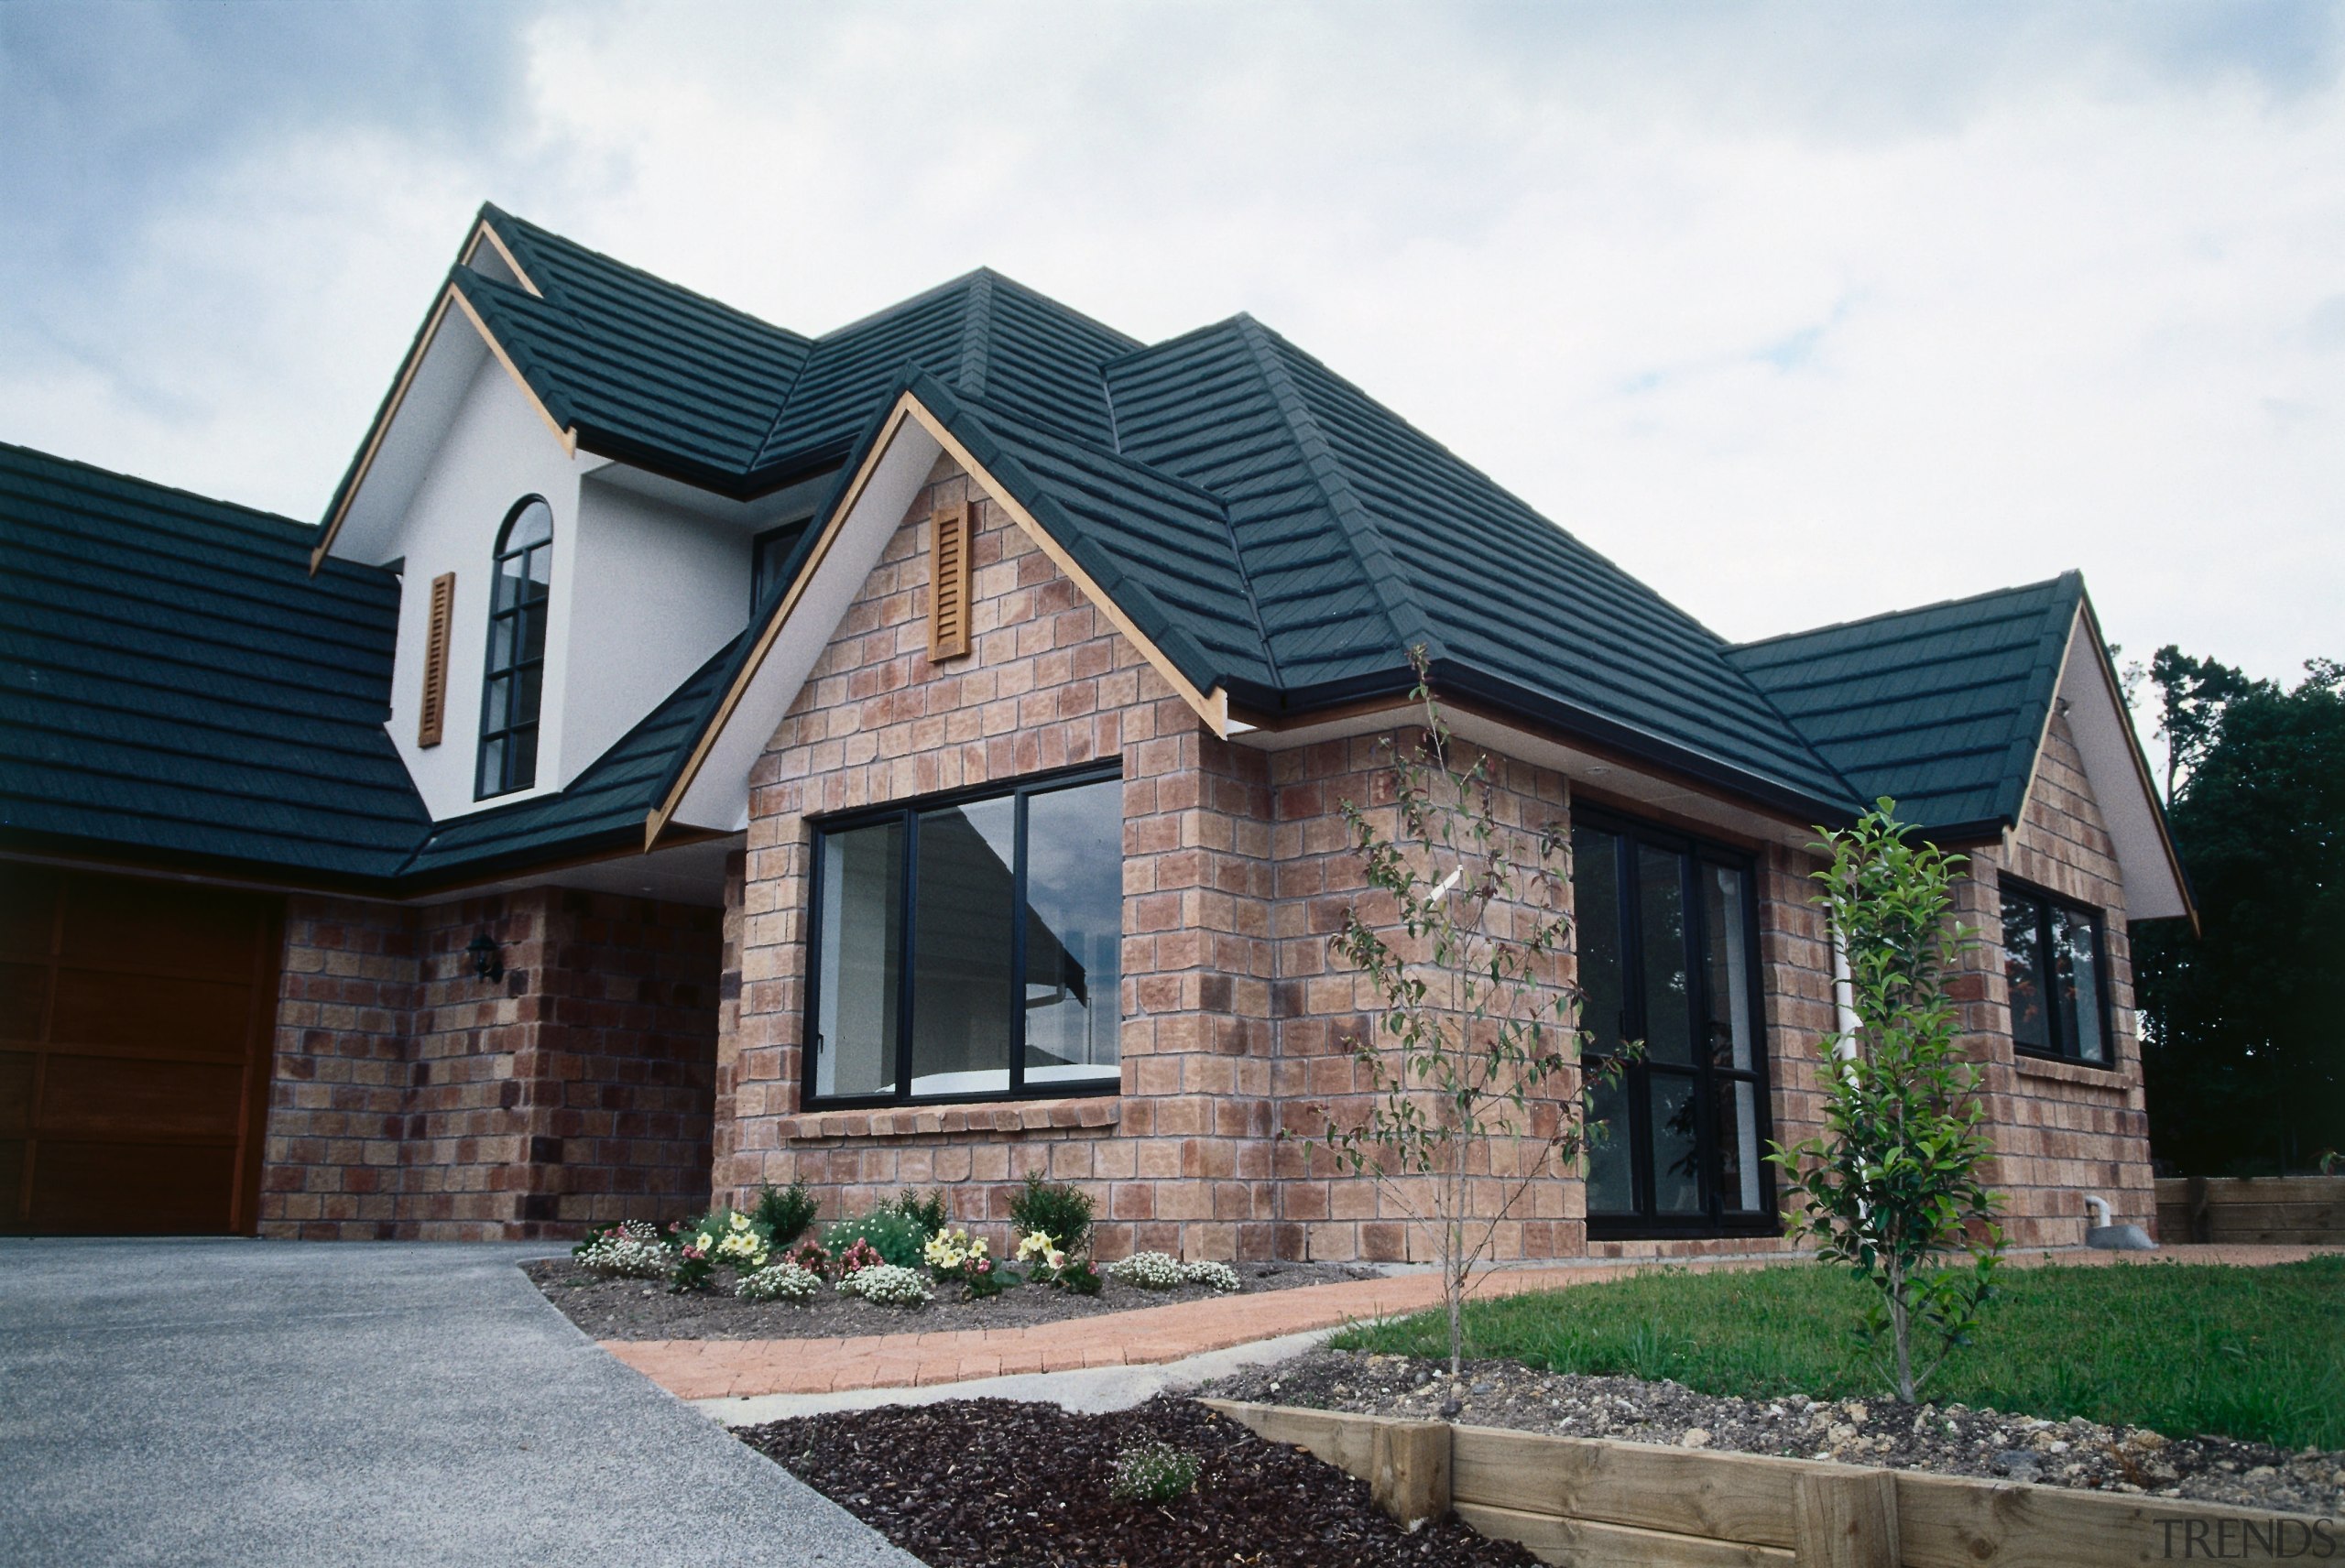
135 1026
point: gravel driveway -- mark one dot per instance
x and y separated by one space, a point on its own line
265 1403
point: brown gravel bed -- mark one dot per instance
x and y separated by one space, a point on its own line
638 1308
991 1483
1953 1440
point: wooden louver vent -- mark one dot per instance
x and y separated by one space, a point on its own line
948 589
435 660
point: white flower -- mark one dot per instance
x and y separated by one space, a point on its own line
1219 1276
621 1255
1148 1270
781 1282
888 1285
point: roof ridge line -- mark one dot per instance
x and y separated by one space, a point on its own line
603 256
977 334
1377 562
2016 588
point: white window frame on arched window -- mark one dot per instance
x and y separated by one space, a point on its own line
513 675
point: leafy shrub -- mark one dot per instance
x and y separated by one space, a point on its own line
785 1212
1148 1270
1054 1210
779 1282
629 1251
1206 1272
886 1285
897 1239
928 1212
1154 1473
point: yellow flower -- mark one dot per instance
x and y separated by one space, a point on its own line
701 1241
740 1222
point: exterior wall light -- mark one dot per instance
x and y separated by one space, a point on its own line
487 964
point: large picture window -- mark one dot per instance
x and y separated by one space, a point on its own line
970 947
513 682
2053 964
1667 956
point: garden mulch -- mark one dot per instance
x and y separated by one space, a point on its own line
990 1483
640 1309
1952 1440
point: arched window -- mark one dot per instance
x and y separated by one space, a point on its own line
513 685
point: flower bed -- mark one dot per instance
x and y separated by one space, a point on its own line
979 1483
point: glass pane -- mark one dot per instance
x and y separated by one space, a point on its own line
2080 975
1728 977
531 624
1738 1135
526 695
521 763
492 769
1596 910
1075 932
961 929
500 644
496 713
861 932
538 568
1610 1189
509 585
532 525
1661 896
2023 973
1676 1145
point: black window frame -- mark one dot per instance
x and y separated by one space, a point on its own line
2062 1050
906 812
1714 1219
762 591
518 613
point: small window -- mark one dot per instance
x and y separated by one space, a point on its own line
971 947
2057 975
513 683
768 555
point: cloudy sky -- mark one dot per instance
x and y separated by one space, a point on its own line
1800 314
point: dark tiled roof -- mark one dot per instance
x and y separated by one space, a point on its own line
173 680
174 684
1940 708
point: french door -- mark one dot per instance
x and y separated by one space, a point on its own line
1666 936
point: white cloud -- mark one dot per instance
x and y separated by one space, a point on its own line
1798 314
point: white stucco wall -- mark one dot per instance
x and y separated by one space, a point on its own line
496 450
655 590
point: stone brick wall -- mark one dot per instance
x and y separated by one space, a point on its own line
2063 1129
411 1100
1180 1159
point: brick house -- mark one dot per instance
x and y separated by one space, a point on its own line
914 756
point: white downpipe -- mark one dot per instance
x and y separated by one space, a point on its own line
1844 1000
2099 1207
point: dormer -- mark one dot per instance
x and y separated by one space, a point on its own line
553 594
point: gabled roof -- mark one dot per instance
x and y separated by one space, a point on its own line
1279 540
1942 707
177 688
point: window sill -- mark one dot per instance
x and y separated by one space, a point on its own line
1093 1112
2078 1072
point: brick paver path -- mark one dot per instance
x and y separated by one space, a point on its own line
714 1368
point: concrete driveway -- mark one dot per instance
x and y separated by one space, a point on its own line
308 1404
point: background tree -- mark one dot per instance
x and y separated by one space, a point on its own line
1893 1188
1475 1043
2243 1026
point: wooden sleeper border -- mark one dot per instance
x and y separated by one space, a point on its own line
1593 1501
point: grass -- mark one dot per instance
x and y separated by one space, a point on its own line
2257 1354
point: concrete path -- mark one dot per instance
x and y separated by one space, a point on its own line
259 1404
702 1370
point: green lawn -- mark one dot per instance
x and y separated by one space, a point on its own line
2247 1352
